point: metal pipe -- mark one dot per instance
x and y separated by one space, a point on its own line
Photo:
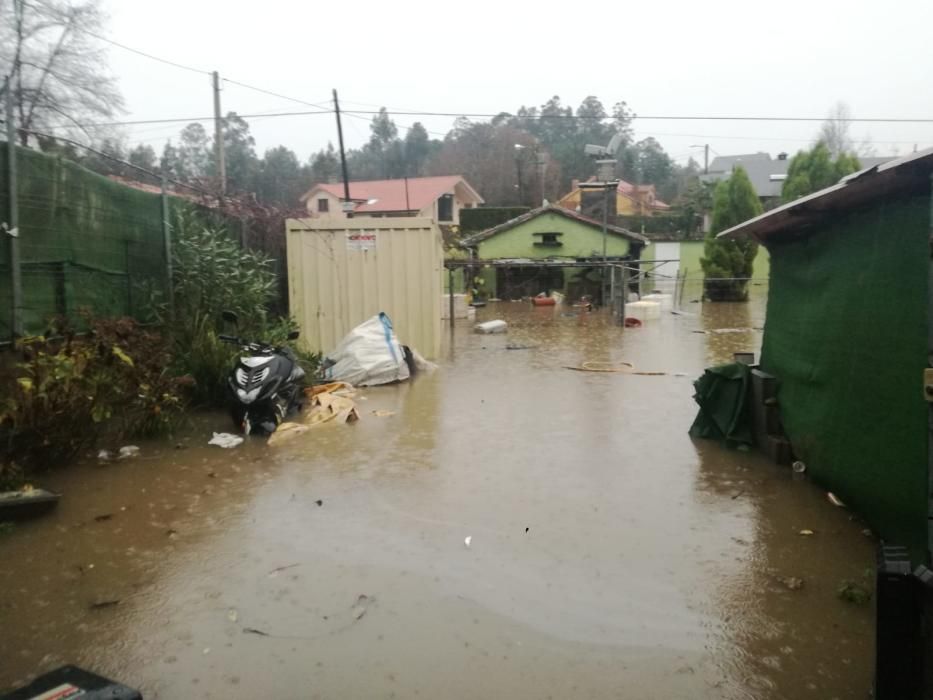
450 293
13 224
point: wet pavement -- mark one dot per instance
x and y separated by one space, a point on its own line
611 556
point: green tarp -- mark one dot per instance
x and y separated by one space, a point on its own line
722 393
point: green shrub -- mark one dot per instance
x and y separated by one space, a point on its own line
727 264
69 391
482 218
212 274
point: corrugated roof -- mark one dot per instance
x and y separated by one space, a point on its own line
391 195
903 175
553 209
766 174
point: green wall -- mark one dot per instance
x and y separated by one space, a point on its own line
690 254
692 251
846 336
579 240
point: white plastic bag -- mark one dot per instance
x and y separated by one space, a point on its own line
225 440
369 354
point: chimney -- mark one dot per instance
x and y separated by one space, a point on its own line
574 184
782 155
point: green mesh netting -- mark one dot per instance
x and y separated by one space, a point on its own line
846 336
85 241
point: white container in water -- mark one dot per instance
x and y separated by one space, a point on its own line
665 300
460 306
643 310
491 327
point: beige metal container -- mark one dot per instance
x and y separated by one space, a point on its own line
343 271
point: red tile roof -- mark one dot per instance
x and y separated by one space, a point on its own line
390 195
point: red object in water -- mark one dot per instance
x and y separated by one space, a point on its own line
632 322
543 301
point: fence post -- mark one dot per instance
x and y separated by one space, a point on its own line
13 223
167 245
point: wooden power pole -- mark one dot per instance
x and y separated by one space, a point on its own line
347 202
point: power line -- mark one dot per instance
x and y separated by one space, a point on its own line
902 120
143 53
119 160
118 44
178 120
635 117
275 94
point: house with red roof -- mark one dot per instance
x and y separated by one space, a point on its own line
438 198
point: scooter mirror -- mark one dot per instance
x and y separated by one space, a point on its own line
294 335
230 317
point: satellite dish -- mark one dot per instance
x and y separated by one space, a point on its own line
614 143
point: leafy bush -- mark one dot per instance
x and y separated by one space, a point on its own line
727 264
212 274
67 392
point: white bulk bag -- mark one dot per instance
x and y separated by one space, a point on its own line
369 354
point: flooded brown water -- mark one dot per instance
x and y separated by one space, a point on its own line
610 557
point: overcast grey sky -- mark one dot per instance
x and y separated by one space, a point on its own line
677 58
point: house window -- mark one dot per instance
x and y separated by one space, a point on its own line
445 207
323 205
548 240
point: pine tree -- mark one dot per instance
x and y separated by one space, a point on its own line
815 169
727 264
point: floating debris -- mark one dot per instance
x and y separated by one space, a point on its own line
467 540
225 440
834 499
792 583
853 592
361 606
276 570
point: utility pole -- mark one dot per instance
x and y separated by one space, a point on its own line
705 147
518 171
347 202
167 243
219 137
12 225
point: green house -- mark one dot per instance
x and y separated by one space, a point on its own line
549 233
848 337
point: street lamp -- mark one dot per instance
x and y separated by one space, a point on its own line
518 171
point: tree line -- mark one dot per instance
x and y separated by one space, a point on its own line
59 78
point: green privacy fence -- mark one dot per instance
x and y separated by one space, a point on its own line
846 336
85 242
88 243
